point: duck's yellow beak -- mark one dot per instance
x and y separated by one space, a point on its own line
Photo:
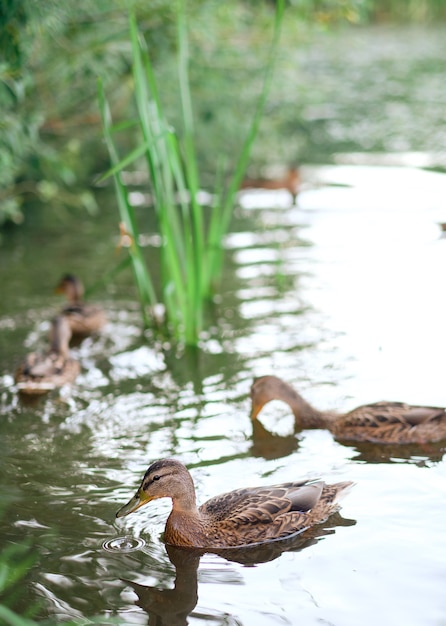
138 500
255 410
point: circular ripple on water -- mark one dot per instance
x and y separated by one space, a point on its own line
123 544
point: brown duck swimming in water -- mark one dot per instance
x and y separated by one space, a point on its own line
381 422
289 181
40 373
237 518
84 319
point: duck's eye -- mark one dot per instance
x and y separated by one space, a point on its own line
156 477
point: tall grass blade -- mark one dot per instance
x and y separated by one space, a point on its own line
190 257
143 282
136 154
154 131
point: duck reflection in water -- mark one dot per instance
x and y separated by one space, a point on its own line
172 607
422 455
270 445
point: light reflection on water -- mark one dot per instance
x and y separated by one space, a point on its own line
343 297
123 544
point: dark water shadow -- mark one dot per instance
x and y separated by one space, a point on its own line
172 607
270 445
33 400
273 446
421 454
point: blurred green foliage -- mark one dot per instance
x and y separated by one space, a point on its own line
17 563
52 52
50 56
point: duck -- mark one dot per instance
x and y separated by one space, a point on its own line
381 422
238 518
43 372
84 319
290 181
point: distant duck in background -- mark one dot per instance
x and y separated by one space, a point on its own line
84 319
381 422
40 373
290 181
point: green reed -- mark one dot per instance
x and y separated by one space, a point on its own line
191 253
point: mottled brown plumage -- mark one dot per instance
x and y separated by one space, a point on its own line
237 518
84 319
381 422
40 373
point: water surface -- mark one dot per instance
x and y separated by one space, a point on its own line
342 295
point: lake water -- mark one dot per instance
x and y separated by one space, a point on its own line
342 295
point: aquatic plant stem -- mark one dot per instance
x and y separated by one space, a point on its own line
191 257
143 282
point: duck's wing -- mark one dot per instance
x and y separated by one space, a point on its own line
415 415
84 319
49 365
250 516
262 504
381 413
29 362
82 309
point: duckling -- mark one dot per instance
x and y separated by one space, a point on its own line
381 422
84 319
40 373
237 518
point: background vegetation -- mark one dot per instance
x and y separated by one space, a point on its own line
51 54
